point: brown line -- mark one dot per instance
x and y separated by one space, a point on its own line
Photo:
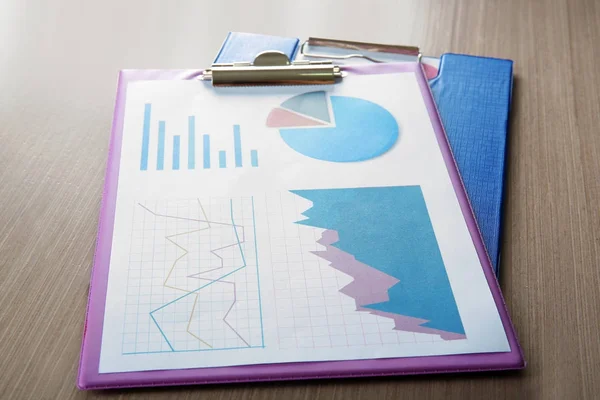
230 308
190 322
204 272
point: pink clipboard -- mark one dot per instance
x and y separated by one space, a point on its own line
89 376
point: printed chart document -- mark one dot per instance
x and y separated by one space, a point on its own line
277 225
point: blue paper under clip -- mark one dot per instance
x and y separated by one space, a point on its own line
240 46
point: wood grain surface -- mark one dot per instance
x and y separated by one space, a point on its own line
58 67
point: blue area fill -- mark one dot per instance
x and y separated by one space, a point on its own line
363 130
388 228
313 104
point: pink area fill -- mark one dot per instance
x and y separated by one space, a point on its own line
280 118
371 286
430 71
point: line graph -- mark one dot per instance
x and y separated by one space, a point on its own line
210 282
220 305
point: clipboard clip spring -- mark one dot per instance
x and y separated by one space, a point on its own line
273 68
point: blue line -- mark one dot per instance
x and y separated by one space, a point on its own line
222 159
237 145
192 351
176 145
160 159
262 330
254 158
206 150
210 283
191 142
161 332
146 137
194 291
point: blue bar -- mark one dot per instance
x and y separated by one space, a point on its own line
191 142
160 158
254 158
146 137
222 159
176 144
206 150
237 145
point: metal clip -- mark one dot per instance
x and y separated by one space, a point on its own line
273 68
357 46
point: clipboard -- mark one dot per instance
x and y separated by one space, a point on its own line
94 339
472 94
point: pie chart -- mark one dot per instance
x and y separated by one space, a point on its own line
351 130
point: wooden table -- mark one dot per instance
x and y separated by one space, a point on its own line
58 69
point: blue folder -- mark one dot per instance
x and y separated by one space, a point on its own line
473 96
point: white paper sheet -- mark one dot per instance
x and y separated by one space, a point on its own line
210 267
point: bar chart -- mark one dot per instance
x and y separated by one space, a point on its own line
177 142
